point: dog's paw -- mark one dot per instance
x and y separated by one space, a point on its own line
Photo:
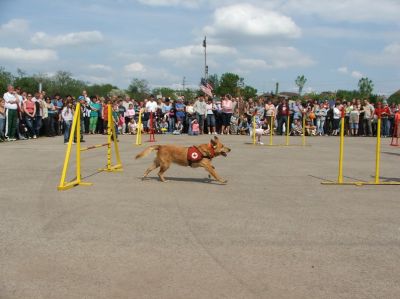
224 182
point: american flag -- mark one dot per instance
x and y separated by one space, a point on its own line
207 88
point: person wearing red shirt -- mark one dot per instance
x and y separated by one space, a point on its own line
383 113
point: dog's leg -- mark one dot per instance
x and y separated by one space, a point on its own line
163 169
211 170
150 169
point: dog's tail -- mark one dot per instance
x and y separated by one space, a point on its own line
147 151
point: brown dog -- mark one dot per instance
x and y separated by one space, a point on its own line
196 156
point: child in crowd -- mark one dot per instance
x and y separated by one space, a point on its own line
297 129
163 126
178 128
354 119
244 127
310 129
67 115
195 127
121 125
132 127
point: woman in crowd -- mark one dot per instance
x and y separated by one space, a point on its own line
95 107
320 114
210 106
227 110
67 115
29 116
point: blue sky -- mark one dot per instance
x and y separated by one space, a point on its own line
333 43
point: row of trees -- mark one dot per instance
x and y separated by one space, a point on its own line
63 83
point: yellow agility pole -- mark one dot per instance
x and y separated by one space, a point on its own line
287 129
377 162
254 129
378 151
112 137
340 175
303 137
271 129
139 129
75 131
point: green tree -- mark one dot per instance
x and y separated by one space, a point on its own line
165 92
300 82
395 98
214 81
6 78
248 92
139 89
365 86
100 89
119 93
189 94
228 84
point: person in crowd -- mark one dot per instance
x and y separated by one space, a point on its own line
51 110
234 123
195 130
132 126
270 114
210 107
354 120
320 115
30 114
337 115
244 125
190 115
283 115
200 110
2 119
67 115
227 111
11 105
368 116
296 128
58 104
163 126
385 115
178 127
95 107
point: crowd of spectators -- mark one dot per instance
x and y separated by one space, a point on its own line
24 115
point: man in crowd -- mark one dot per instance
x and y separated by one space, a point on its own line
11 98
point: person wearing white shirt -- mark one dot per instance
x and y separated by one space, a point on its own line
11 105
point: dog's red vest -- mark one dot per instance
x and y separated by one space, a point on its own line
194 155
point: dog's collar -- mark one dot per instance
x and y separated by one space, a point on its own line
212 151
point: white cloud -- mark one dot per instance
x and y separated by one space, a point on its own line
389 56
15 26
100 67
135 67
356 74
343 70
253 21
185 3
26 56
249 63
195 51
351 11
69 39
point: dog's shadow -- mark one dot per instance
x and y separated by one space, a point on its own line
189 180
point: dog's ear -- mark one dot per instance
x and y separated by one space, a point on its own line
213 142
216 138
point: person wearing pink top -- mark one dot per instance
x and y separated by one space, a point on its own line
227 110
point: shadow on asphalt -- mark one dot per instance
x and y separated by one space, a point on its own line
189 180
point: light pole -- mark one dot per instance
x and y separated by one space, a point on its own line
205 58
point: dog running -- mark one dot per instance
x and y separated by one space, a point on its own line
194 156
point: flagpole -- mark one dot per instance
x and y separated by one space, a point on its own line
205 57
